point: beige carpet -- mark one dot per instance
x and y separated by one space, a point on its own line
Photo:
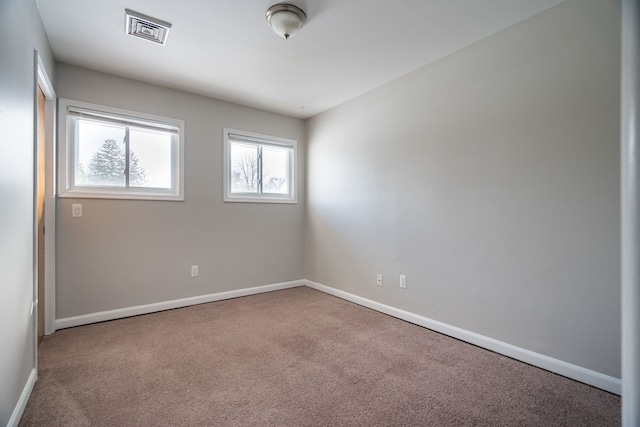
293 358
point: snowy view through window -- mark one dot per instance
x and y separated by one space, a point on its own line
252 161
101 156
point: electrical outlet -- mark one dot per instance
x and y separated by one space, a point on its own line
194 271
379 280
403 281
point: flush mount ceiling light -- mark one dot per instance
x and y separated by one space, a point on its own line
285 19
139 25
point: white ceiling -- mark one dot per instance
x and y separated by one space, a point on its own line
225 49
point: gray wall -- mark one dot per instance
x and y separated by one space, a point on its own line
491 179
21 33
123 253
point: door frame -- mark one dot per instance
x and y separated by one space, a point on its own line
44 82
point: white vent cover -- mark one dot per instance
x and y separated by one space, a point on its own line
139 25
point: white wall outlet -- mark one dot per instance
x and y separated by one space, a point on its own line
194 271
379 280
76 210
403 281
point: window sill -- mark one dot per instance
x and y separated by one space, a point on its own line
93 194
259 200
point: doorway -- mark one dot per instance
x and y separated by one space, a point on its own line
44 204
40 197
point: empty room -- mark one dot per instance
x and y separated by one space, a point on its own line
393 213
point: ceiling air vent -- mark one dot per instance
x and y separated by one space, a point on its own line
139 25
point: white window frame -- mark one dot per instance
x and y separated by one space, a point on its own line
231 135
69 109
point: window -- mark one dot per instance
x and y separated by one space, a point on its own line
118 154
258 168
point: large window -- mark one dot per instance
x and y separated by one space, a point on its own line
258 168
113 153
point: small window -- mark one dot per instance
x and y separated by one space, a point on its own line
113 153
258 168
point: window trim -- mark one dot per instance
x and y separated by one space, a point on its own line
70 109
264 140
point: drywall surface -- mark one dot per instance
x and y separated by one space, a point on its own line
21 33
124 253
491 180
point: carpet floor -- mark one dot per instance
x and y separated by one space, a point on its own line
296 357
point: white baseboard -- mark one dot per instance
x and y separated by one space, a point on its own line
24 399
119 313
578 373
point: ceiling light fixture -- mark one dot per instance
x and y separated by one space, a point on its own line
285 19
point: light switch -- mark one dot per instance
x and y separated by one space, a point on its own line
403 281
76 210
